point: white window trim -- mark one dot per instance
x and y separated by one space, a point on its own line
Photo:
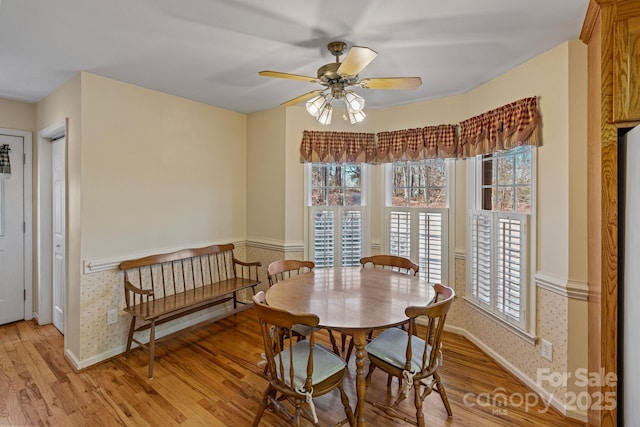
449 274
364 208
474 200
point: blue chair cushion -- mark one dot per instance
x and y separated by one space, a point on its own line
325 363
391 346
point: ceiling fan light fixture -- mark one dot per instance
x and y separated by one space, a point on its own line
336 77
355 102
325 115
316 104
356 116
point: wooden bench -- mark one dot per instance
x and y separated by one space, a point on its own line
163 287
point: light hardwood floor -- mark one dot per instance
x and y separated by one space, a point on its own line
209 376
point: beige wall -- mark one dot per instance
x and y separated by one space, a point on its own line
266 176
159 171
64 104
147 172
17 115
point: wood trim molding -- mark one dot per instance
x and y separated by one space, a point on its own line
589 22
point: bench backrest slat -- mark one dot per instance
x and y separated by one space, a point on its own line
180 268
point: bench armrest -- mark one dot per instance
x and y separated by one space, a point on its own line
247 270
131 291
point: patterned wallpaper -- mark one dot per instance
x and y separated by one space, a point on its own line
552 325
104 290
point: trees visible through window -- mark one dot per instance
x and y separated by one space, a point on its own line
506 181
336 214
417 226
420 184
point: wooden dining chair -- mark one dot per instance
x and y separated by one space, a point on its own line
413 357
297 371
286 269
391 262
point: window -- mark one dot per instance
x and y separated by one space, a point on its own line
336 214
417 215
499 235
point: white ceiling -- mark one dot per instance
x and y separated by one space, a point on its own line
211 50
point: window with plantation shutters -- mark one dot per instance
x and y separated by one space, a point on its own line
336 215
498 256
417 218
337 236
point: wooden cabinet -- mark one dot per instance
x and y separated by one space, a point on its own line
626 63
611 31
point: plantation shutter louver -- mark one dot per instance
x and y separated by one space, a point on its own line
351 237
430 245
323 237
511 269
481 257
400 233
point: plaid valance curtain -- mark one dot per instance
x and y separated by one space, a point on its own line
5 165
506 127
417 144
509 126
338 147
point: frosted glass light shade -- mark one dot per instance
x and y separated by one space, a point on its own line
354 101
356 117
325 115
316 104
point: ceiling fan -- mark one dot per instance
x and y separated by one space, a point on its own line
337 77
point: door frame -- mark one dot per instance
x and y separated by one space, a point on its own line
44 239
27 254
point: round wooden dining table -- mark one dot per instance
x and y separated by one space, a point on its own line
355 300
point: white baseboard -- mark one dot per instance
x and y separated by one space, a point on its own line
579 415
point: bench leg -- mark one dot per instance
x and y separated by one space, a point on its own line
132 328
152 346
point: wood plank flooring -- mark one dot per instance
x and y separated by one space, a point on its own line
209 376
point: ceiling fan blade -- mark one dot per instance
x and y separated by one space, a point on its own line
391 83
301 98
279 75
357 58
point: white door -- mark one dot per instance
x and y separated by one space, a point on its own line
12 291
59 233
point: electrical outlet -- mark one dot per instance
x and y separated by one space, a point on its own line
546 350
112 316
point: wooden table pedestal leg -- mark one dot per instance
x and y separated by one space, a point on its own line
360 340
